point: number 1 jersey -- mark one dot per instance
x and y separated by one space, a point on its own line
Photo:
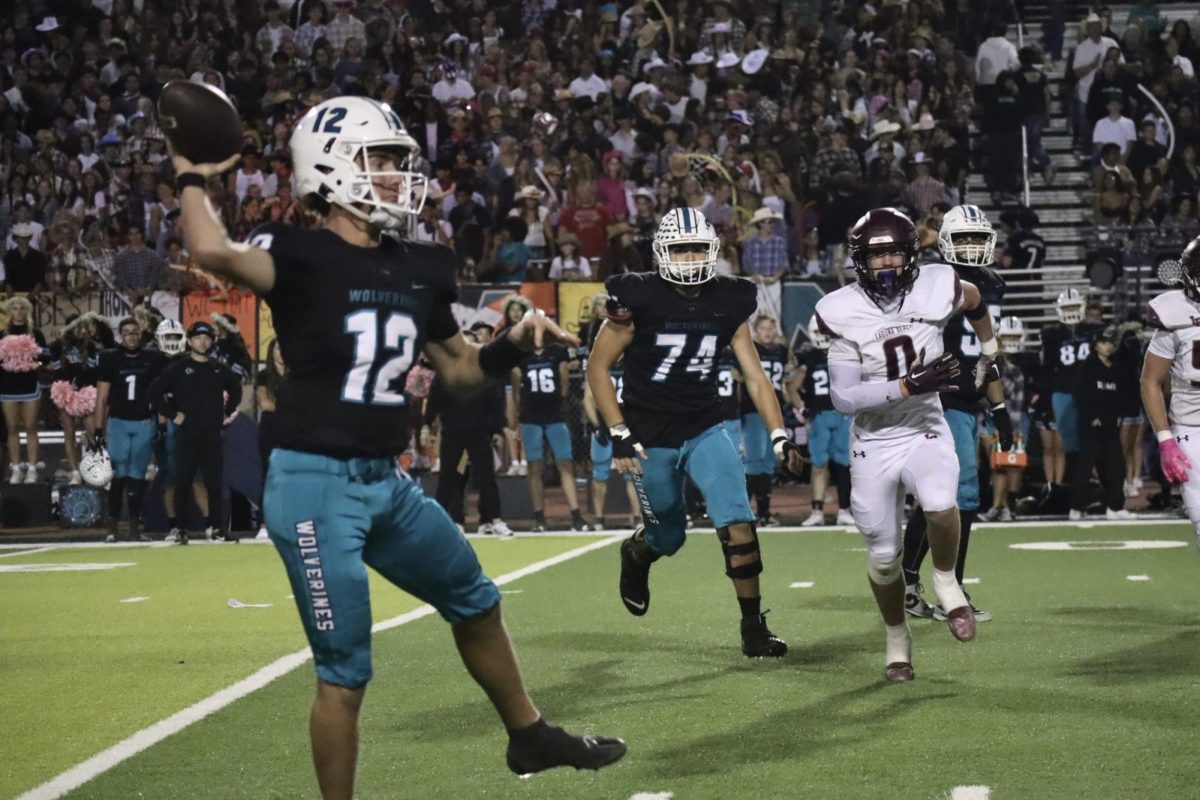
351 321
671 366
885 342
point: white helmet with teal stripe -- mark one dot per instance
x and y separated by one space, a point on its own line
966 238
685 247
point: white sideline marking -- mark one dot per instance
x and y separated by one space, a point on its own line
25 552
1102 544
513 591
1137 577
239 604
802 585
133 599
652 796
146 738
970 793
970 581
65 567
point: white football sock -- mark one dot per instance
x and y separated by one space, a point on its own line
899 643
949 593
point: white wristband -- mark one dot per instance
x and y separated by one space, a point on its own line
779 437
989 348
1164 435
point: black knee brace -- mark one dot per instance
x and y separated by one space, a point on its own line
748 570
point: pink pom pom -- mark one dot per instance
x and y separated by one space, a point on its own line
419 380
61 394
19 353
83 403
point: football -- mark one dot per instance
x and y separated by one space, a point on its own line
200 122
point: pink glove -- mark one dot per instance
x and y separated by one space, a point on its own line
1175 464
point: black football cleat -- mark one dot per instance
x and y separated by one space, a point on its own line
544 746
635 578
758 641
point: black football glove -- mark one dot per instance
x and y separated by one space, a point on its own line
623 443
784 447
602 436
98 440
937 376
1004 428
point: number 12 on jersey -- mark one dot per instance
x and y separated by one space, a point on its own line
399 334
701 362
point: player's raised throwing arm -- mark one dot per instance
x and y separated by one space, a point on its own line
205 235
762 394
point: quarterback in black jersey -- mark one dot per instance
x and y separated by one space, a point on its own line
352 309
123 413
671 325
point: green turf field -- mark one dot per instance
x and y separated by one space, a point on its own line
1084 686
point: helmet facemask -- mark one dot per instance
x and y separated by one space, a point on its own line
971 248
364 190
687 262
886 283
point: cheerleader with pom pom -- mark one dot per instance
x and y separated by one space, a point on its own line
74 358
22 351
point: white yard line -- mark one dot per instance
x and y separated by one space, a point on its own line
970 793
801 585
1137 578
26 552
146 738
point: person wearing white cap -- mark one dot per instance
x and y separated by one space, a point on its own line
1089 55
698 82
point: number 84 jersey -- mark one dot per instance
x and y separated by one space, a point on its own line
885 342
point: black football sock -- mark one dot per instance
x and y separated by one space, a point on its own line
137 493
966 520
751 606
172 522
116 493
841 479
916 545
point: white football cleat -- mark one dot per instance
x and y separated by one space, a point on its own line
501 530
845 517
1118 514
31 473
1075 515
815 518
262 533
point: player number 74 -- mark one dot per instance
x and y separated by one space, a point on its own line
676 343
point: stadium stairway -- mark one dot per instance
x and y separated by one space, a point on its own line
1064 208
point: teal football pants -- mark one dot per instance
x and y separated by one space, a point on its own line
330 519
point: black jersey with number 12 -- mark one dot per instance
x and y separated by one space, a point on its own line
671 366
351 321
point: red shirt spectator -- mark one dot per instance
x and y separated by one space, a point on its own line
588 221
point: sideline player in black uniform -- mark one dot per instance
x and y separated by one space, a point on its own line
828 428
540 384
602 452
197 393
352 309
123 402
760 455
1065 346
968 244
671 326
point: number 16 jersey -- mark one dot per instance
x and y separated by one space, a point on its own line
885 342
671 367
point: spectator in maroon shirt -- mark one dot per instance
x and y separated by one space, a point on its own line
588 221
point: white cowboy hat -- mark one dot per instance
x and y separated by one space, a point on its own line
47 24
728 59
700 57
754 61
764 214
886 127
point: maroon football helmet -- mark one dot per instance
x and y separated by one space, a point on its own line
881 231
1190 262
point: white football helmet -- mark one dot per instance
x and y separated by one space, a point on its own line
170 337
818 339
1069 306
683 227
967 220
331 146
95 467
1011 334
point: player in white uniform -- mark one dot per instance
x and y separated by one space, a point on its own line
1171 362
887 366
